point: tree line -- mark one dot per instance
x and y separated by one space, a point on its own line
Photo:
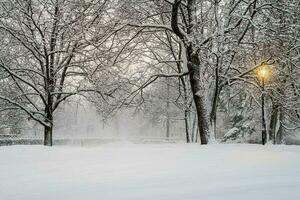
196 60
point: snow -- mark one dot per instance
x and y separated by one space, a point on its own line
150 172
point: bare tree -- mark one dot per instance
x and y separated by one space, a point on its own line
46 53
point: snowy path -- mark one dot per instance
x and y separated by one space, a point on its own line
150 172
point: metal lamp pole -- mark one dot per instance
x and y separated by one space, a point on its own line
263 120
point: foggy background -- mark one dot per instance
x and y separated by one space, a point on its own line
79 119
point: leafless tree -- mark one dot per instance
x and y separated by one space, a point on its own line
48 44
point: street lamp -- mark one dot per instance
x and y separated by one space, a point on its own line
263 74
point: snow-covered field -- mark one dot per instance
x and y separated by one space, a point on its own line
150 172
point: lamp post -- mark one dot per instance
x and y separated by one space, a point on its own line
263 120
263 73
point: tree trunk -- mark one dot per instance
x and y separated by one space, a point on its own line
194 129
187 134
49 120
193 62
50 80
168 108
197 133
48 135
274 123
194 72
263 119
279 134
168 127
213 113
279 137
186 111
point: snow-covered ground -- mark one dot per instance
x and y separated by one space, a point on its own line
150 172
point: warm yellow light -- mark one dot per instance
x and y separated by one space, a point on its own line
263 72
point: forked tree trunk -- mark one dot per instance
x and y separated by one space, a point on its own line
193 61
194 72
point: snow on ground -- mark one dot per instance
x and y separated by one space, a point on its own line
150 172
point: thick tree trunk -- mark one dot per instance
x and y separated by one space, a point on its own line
193 62
194 72
48 135
202 119
50 80
49 120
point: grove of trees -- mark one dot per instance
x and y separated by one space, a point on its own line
189 60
